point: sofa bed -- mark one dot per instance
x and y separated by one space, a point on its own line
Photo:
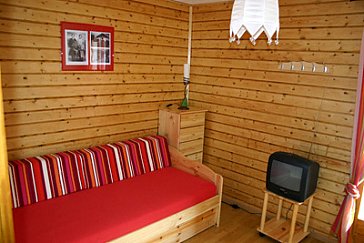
138 190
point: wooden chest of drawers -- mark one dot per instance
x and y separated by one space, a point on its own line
184 129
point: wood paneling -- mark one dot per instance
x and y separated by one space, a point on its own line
6 212
256 109
47 110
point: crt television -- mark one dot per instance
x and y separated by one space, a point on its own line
291 176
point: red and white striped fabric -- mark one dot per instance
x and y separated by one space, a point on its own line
44 177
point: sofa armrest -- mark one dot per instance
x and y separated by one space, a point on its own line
194 167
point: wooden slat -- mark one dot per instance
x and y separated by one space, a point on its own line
291 45
71 91
283 56
33 67
11 106
57 79
49 16
65 136
278 77
337 70
353 20
133 29
78 112
147 7
136 55
74 124
77 144
166 4
102 12
297 2
337 33
52 31
316 9
223 6
190 228
304 4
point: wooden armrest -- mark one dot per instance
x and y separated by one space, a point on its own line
194 167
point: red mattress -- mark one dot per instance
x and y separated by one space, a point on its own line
107 212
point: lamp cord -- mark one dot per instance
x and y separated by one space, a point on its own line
288 211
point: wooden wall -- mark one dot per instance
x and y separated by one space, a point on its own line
256 109
47 110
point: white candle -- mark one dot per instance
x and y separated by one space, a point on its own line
186 71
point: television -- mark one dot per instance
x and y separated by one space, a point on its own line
291 176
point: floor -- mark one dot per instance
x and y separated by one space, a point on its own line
236 225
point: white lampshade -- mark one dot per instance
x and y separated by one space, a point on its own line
256 17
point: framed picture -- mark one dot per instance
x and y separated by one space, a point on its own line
87 47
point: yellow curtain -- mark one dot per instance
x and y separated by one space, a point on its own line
6 214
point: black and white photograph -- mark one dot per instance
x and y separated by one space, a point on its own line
76 47
100 48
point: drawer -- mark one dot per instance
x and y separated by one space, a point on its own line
192 120
191 147
191 133
196 156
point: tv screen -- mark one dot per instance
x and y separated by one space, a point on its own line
286 175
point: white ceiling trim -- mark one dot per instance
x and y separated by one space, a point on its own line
200 1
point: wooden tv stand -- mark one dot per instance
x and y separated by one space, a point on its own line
280 229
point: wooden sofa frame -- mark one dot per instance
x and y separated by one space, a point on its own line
189 222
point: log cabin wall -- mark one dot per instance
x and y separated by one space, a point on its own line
256 109
49 110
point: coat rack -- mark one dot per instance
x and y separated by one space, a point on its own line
304 67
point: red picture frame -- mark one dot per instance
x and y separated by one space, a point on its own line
87 47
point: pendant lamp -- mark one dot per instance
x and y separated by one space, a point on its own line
256 17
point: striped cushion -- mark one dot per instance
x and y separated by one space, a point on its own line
43 177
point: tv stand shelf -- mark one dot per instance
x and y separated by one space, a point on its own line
280 229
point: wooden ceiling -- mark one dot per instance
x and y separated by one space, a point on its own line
200 1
